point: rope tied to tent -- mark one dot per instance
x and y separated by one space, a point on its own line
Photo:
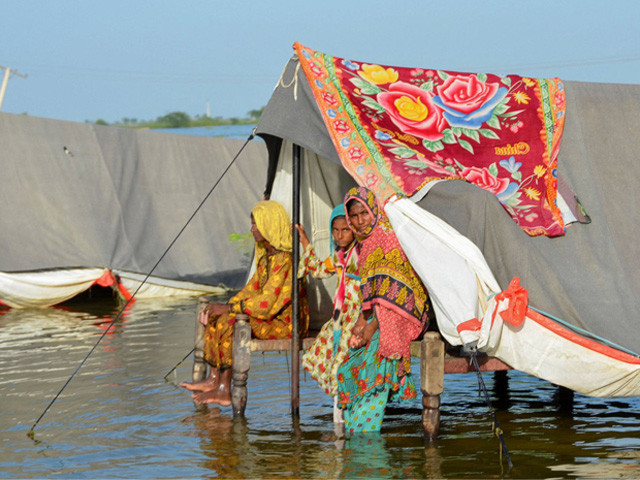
294 81
495 428
30 433
498 433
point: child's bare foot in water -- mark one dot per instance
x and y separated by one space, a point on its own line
221 395
206 385
203 386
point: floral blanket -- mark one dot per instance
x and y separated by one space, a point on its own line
396 129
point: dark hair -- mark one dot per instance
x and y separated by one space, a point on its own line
336 218
351 203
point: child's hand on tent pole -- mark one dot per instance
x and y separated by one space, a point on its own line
304 240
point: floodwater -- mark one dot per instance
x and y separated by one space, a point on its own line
119 418
238 132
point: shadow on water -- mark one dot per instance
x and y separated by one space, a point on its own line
120 418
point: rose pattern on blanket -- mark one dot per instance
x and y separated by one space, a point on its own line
396 129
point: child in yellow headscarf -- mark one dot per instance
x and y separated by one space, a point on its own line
266 299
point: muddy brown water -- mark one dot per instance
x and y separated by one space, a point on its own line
118 417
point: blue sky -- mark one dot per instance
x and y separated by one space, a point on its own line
111 59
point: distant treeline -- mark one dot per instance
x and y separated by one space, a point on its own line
182 119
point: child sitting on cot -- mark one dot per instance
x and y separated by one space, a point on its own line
330 347
266 299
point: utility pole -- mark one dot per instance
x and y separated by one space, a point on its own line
5 81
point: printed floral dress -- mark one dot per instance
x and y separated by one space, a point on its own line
266 299
368 382
330 347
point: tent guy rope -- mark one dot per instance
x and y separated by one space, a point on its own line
495 427
180 362
30 434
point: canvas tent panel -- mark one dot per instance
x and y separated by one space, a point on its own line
531 342
80 195
292 114
44 288
167 183
601 162
50 194
40 289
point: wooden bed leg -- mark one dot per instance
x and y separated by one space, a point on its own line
432 382
199 371
241 363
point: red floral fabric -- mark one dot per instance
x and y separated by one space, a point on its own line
396 129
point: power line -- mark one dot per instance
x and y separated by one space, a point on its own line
115 75
563 64
148 77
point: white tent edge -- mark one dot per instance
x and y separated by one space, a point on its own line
41 289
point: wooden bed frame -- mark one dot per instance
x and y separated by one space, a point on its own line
431 350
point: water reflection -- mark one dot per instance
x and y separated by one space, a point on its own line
501 390
231 448
366 456
620 465
223 441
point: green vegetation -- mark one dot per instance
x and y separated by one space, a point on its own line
182 119
245 244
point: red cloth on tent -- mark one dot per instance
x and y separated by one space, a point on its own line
108 279
396 129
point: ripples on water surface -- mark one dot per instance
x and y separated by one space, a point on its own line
118 417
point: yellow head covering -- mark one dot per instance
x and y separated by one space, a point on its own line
274 224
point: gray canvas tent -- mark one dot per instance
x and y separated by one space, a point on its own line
79 200
587 281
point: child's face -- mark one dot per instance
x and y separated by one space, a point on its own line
342 234
359 216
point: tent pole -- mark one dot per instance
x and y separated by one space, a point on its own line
295 336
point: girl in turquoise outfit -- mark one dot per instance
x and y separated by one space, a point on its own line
330 346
